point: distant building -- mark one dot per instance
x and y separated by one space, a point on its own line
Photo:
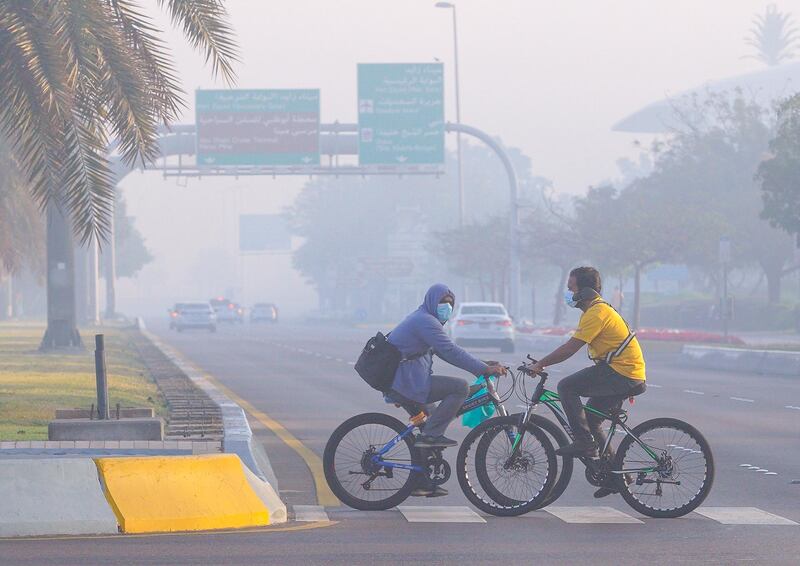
765 86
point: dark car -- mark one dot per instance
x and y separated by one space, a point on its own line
264 312
227 311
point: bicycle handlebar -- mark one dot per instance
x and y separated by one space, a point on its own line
525 368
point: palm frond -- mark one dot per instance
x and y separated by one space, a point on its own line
77 71
123 90
205 25
144 38
87 190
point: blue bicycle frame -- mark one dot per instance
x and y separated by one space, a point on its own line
489 397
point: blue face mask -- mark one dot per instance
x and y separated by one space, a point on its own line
443 312
569 300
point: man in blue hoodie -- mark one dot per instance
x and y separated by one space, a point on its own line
418 337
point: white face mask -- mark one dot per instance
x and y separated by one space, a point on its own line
443 312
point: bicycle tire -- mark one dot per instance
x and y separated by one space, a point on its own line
563 474
492 506
329 463
641 432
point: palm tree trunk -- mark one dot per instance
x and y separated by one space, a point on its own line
62 331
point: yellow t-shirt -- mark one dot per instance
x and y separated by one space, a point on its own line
603 329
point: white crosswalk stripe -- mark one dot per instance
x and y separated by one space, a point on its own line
426 514
592 515
583 515
310 513
743 516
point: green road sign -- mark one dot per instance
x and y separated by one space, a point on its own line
401 114
257 127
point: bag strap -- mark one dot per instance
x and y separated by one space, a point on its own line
621 348
406 359
413 357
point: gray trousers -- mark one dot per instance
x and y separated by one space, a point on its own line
451 392
605 389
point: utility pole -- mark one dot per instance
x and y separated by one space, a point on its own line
724 259
110 266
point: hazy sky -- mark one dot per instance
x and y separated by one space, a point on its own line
548 77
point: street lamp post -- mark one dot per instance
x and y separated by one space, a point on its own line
448 5
459 174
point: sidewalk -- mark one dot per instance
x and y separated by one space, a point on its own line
771 340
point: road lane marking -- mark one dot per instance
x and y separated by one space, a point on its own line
793 407
654 385
592 515
693 392
351 363
742 516
743 399
428 514
325 496
309 513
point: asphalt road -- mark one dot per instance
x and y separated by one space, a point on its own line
302 376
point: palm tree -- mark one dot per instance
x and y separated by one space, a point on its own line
76 73
773 36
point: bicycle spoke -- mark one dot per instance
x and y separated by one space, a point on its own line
683 467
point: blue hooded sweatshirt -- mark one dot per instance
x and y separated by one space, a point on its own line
422 333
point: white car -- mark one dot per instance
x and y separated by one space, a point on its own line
482 324
193 315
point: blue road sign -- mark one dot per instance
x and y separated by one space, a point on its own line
401 114
257 127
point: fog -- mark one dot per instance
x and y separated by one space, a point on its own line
547 80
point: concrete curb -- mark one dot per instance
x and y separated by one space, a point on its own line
740 360
238 436
52 497
187 493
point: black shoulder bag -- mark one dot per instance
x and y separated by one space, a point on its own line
378 362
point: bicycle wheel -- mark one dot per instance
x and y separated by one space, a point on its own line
677 481
564 464
348 466
494 483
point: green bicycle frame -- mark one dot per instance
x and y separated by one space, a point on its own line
553 402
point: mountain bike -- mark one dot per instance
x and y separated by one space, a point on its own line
663 467
371 464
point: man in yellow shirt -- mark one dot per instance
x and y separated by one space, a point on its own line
619 370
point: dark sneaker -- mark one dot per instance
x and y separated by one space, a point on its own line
436 491
425 441
579 449
604 492
608 490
